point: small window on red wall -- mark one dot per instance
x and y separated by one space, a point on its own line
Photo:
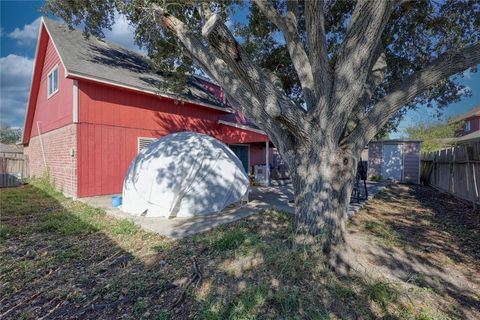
52 81
468 126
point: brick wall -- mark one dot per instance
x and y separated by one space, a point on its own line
62 166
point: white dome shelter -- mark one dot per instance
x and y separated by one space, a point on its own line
184 174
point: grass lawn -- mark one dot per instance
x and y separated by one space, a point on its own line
418 252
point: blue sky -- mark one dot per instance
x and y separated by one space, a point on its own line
19 29
19 21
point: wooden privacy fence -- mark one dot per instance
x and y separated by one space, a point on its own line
13 171
455 170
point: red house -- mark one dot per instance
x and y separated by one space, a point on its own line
93 105
471 121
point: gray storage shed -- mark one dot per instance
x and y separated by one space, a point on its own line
398 160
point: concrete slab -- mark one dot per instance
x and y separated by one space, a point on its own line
261 198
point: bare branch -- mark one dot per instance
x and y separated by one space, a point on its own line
273 78
353 65
275 101
215 66
317 46
283 140
204 10
292 6
375 77
444 66
288 25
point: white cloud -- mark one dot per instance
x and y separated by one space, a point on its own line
16 71
15 77
27 35
467 74
122 33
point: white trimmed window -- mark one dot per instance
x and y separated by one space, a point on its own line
144 143
468 126
52 81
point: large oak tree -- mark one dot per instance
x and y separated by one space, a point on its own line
321 78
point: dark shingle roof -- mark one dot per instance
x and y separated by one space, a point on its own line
105 61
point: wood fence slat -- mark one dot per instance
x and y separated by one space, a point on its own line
455 170
13 170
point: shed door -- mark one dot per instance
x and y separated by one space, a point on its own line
392 164
242 152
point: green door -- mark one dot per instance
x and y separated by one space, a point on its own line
242 152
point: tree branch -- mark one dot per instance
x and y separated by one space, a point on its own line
281 137
376 76
317 46
215 66
277 104
353 65
444 66
288 25
204 10
271 111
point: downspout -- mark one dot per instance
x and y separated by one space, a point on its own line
73 152
72 165
41 145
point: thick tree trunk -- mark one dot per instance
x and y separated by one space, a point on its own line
322 183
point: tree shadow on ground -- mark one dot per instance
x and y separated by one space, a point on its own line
426 239
64 260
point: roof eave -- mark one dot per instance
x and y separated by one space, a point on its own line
79 75
241 126
42 23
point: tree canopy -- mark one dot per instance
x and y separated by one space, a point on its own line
9 135
417 33
432 134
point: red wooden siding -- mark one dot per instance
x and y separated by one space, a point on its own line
112 119
229 134
102 104
54 112
92 157
53 117
257 154
104 154
474 126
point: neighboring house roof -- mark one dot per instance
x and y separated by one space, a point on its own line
463 139
475 112
10 148
100 60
